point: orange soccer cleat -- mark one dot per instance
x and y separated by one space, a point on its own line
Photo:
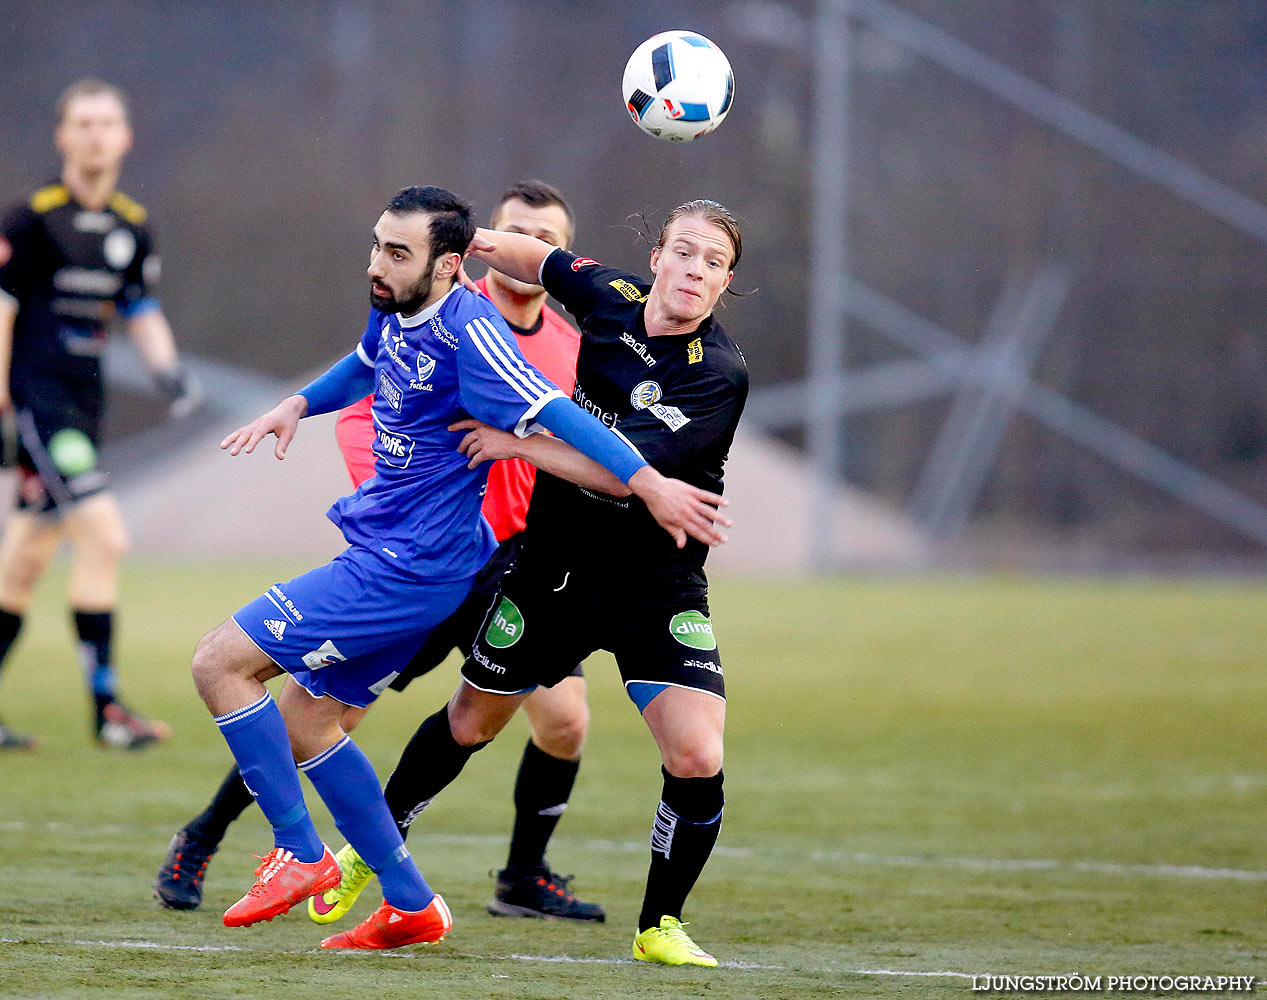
388 927
280 883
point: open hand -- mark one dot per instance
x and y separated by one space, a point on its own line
680 508
282 420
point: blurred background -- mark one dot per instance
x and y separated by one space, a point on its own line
1006 261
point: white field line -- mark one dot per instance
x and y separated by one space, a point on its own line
721 851
554 959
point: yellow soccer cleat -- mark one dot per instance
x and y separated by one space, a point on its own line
668 944
329 906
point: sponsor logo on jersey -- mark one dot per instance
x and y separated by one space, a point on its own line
119 248
671 416
390 391
396 449
695 352
443 334
691 628
711 667
581 262
639 348
630 292
644 394
93 222
325 655
426 366
87 281
507 626
590 407
277 628
393 345
286 603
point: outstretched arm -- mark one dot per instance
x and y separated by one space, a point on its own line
347 380
514 254
679 508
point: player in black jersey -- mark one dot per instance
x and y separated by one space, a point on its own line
73 256
595 572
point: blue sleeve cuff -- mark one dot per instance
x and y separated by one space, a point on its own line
346 381
590 436
131 310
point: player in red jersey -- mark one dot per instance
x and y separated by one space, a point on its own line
559 715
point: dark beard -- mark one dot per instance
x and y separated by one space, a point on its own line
410 304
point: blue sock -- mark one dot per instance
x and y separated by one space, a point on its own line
349 787
257 736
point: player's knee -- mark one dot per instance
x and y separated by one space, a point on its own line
563 736
23 571
208 661
112 545
695 760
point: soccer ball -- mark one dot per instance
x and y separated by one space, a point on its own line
678 86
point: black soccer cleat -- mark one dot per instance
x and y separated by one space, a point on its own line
179 882
118 726
539 892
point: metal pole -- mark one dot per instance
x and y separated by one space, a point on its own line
829 271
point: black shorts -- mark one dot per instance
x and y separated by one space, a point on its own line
56 456
458 630
545 616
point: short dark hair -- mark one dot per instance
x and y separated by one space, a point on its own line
90 87
537 194
451 227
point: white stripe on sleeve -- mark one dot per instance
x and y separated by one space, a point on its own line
510 357
365 358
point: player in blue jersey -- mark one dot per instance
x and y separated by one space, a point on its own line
435 355
656 365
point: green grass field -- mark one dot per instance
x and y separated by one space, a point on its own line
927 780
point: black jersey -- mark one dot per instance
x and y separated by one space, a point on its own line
677 398
70 270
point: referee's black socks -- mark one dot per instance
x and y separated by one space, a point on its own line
431 759
542 790
686 825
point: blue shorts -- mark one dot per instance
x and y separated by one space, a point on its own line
347 628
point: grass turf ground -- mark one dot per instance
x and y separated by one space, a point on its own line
927 780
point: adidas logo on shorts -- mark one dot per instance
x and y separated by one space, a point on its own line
277 628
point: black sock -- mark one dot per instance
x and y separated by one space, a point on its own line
431 759
542 791
94 629
10 626
231 798
686 826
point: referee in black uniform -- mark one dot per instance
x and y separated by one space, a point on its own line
73 256
595 571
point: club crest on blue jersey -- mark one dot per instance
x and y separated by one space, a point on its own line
426 365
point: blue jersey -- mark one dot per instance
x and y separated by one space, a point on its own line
455 359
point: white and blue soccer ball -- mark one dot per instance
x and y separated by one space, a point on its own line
678 86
